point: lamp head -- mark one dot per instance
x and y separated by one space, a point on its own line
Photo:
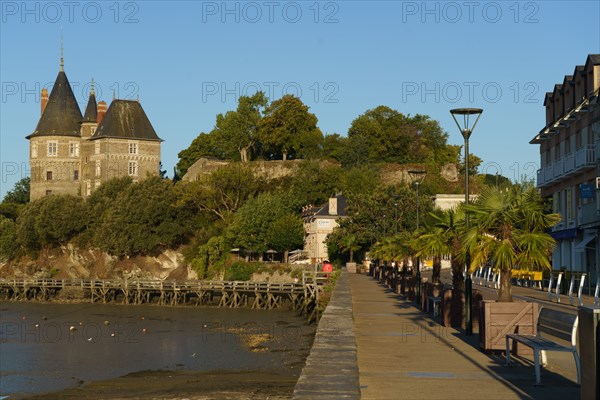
417 175
466 129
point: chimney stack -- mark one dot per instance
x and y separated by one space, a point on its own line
44 99
101 111
333 206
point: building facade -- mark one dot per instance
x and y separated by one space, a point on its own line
320 222
569 171
71 153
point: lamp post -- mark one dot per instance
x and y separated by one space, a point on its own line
466 130
417 177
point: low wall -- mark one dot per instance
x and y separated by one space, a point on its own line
331 370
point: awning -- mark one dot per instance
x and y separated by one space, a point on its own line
581 246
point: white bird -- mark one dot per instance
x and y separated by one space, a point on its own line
194 355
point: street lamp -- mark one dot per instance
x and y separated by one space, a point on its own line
417 177
466 130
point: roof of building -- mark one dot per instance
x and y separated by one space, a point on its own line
126 119
91 111
62 116
323 210
594 58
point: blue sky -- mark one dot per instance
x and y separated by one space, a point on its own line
190 60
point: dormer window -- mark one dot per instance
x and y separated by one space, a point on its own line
93 130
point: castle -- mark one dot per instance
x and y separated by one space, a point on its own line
71 153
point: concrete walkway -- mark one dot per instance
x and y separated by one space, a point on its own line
402 353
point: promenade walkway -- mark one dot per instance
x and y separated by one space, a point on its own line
402 353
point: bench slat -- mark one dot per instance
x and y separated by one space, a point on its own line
538 343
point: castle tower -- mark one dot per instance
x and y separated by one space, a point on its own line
125 144
54 158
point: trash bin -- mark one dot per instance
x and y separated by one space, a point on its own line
589 352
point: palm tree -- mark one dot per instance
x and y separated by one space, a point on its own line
349 244
432 243
449 226
509 227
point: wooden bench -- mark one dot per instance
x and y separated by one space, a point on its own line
550 322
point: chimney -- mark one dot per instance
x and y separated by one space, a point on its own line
44 99
333 203
101 111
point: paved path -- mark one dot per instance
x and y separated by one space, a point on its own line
402 353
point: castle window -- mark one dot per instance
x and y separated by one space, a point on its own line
52 149
73 149
48 175
75 175
92 130
88 187
97 148
34 150
98 168
133 148
133 168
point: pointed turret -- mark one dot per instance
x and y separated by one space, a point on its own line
91 111
61 116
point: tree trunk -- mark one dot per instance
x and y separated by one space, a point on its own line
284 156
437 269
351 256
505 292
458 282
457 316
285 256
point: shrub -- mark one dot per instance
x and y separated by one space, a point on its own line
241 271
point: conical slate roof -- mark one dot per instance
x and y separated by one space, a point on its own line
126 119
91 111
62 116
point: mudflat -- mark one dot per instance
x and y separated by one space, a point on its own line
180 385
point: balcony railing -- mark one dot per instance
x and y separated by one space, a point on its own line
557 168
569 163
585 156
572 163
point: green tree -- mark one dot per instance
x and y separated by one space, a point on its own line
222 192
509 227
210 261
286 233
313 184
20 192
289 130
238 130
252 224
144 219
349 244
385 135
8 239
51 221
204 145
